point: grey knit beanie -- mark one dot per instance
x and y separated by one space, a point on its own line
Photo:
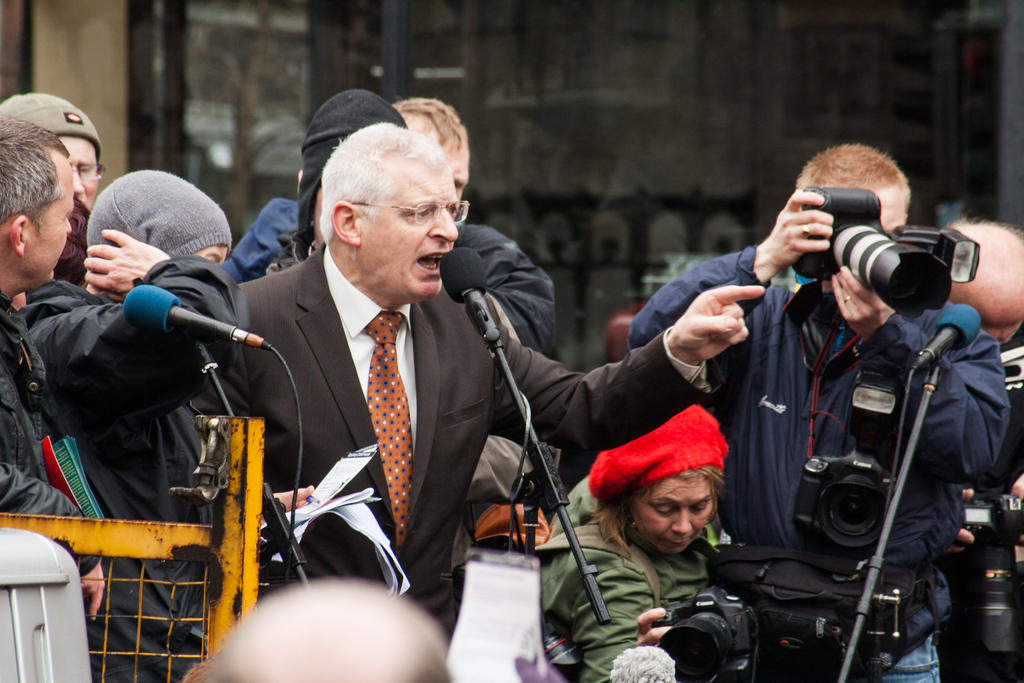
53 113
162 210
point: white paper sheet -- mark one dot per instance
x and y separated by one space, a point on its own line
499 620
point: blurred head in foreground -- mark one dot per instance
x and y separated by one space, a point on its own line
333 631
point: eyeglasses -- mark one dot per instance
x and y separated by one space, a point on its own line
89 171
422 214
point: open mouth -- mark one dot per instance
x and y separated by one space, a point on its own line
432 262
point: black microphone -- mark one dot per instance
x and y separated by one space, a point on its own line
956 328
462 273
155 309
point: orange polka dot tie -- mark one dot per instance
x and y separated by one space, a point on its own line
389 410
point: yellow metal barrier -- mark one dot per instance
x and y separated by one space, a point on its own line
228 547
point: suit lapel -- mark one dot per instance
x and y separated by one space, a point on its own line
428 399
320 325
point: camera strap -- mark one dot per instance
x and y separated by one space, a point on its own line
818 357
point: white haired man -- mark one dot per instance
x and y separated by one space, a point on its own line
389 214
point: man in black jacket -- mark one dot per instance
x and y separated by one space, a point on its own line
35 203
122 393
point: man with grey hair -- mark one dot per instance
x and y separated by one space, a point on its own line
997 292
333 631
379 358
35 203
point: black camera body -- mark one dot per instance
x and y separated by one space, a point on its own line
562 653
906 276
843 498
990 599
712 637
994 520
849 207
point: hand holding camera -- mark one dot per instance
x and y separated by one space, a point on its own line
864 310
910 273
711 637
646 632
798 230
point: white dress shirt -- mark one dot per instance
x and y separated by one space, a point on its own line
356 310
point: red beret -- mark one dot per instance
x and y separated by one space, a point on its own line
689 440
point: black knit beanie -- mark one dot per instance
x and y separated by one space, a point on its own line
335 120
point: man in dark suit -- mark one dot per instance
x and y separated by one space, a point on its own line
389 209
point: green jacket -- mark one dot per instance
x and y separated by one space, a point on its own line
622 581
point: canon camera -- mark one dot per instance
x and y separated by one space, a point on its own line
843 497
712 637
910 274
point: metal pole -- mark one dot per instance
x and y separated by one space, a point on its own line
1010 124
395 46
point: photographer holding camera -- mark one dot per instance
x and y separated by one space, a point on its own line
788 388
640 517
982 641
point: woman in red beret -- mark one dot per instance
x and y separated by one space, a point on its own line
640 516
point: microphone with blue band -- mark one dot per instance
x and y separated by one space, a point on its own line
956 328
155 309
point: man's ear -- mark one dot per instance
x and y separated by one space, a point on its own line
14 231
343 223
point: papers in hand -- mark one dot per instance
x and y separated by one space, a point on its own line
353 510
307 513
344 471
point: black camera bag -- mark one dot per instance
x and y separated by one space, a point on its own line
806 605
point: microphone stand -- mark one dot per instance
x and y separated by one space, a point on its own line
544 482
875 563
273 512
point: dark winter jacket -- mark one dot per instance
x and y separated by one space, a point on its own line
523 289
122 394
23 486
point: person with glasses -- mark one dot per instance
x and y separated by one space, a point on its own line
524 290
75 130
286 231
78 134
379 358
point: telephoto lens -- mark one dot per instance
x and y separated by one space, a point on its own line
905 276
991 598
